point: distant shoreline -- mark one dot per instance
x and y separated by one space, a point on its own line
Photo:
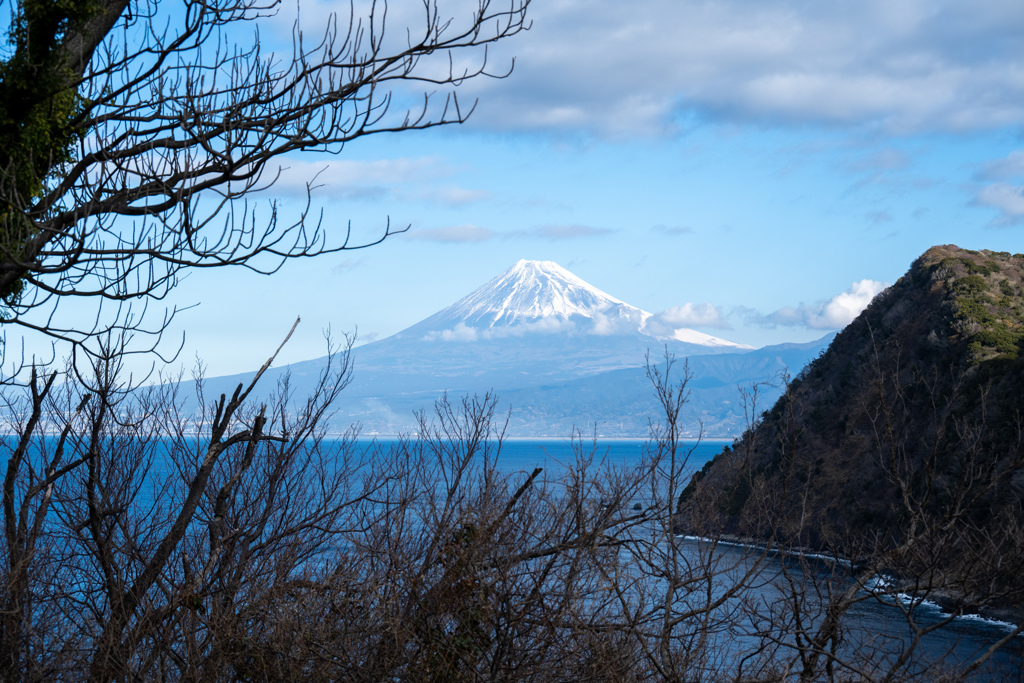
947 601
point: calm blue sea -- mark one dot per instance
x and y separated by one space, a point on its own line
964 637
525 454
522 455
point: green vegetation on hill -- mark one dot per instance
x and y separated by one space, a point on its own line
903 440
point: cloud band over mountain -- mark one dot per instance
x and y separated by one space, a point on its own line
832 314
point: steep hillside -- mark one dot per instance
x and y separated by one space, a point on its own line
904 438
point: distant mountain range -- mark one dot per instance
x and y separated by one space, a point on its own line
559 351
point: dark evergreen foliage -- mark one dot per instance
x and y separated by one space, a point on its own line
911 420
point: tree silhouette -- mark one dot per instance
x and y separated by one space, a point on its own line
133 132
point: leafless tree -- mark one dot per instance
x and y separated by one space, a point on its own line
144 540
133 133
121 518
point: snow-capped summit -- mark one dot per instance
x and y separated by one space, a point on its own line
530 290
543 297
527 293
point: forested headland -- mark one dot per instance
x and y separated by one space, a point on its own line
902 445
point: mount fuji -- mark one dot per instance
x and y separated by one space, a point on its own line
559 350
542 297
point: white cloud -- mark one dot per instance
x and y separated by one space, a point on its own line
455 196
883 160
367 337
687 315
1006 195
1009 167
638 68
460 332
541 326
627 69
833 314
475 233
334 176
672 229
455 234
561 232
1006 198
407 180
605 325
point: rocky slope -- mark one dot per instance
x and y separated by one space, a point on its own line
905 440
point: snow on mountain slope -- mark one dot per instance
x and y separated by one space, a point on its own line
530 290
543 297
685 334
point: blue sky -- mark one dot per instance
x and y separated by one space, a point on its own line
757 168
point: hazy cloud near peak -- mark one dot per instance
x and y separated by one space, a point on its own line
464 333
687 315
832 314
460 333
